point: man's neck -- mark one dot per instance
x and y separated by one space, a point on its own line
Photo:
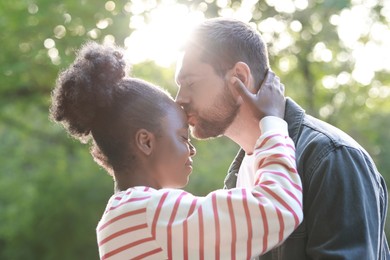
244 131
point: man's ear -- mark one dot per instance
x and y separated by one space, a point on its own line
242 71
144 141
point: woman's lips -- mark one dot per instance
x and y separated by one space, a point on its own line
189 163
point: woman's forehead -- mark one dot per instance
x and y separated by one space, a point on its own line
182 115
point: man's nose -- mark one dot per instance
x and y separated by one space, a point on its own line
182 96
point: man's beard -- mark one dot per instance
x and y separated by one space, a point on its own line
217 118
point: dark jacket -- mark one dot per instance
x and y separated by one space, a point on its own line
344 196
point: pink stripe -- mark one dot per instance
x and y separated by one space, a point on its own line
291 147
128 201
249 225
143 256
288 168
281 223
128 192
289 156
157 214
270 160
171 220
201 233
122 232
265 223
185 230
268 138
291 153
233 226
281 201
217 227
125 247
292 195
282 155
119 217
280 174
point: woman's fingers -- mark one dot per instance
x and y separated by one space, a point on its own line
242 90
271 96
268 101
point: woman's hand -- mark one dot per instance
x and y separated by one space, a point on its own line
269 100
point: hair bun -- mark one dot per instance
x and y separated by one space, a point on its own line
87 86
107 62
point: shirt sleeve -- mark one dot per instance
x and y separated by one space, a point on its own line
228 224
272 123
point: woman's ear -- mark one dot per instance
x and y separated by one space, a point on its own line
144 141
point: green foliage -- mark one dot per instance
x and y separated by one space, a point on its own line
52 194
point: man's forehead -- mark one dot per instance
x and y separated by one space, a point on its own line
186 75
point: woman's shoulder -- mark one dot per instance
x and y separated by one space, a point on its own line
132 198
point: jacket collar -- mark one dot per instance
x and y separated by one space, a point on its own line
294 116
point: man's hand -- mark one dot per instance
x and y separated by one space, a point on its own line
269 100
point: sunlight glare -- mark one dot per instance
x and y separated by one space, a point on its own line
110 6
353 25
159 28
286 6
160 39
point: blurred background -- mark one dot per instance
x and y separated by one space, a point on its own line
332 55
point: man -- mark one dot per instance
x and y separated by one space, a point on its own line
344 196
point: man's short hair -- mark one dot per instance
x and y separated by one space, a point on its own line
223 42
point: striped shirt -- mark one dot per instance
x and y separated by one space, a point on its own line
144 223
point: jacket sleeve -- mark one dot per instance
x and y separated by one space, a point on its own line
229 224
345 206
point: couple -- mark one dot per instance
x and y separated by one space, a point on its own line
141 137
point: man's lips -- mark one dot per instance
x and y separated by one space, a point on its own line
191 120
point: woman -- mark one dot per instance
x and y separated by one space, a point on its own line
140 136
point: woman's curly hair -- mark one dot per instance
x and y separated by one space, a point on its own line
93 98
85 87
